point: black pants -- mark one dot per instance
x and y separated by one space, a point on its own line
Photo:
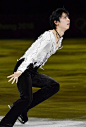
30 78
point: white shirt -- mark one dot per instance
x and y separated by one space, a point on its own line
40 51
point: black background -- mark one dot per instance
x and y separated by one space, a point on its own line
16 17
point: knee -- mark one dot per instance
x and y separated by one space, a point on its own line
56 86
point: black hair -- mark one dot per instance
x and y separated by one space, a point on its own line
56 15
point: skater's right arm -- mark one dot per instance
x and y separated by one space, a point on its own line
14 77
43 44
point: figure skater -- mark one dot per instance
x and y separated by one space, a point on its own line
25 72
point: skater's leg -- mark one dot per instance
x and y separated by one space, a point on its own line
48 88
25 88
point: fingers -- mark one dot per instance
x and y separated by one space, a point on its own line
10 76
13 77
10 79
13 81
16 80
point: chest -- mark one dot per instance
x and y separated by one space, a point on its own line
57 43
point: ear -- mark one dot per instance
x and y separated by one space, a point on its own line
56 23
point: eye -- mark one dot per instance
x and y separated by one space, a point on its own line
65 17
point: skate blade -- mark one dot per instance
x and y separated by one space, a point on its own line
9 106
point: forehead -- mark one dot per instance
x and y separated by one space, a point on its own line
64 14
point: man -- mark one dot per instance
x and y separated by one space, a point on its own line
26 75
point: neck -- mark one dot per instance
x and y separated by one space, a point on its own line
60 31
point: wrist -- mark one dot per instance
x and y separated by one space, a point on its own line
19 71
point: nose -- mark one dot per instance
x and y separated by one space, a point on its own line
68 19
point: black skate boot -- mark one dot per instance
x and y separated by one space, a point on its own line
23 118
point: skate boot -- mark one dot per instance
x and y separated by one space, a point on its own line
23 118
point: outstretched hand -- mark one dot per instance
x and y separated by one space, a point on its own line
14 77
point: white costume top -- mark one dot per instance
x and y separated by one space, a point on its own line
40 51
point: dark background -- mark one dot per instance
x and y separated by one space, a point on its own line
28 19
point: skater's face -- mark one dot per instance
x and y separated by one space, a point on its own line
64 22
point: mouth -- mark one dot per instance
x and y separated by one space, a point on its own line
68 24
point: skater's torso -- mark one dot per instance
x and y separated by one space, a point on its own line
41 50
